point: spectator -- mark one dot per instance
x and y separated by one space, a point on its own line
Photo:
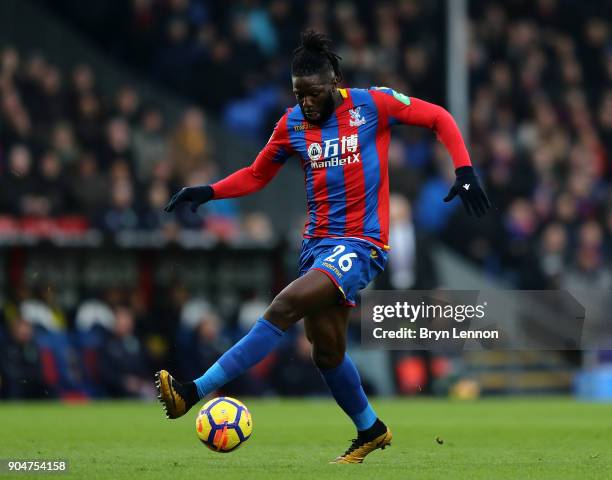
16 125
411 265
20 363
89 116
89 188
189 145
588 272
257 228
154 217
118 144
64 144
52 102
83 83
150 145
121 214
19 187
127 104
553 253
53 184
210 344
123 366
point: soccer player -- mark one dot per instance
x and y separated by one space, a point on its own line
341 138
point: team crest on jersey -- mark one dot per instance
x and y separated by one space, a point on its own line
356 118
314 151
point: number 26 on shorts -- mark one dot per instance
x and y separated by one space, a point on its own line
345 261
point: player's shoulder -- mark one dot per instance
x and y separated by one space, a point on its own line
378 93
390 93
356 92
378 90
374 90
361 96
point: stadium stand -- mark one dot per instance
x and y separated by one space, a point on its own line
80 165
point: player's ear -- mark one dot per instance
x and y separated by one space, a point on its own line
337 77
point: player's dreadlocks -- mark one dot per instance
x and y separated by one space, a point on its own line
315 55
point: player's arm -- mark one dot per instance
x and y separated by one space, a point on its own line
247 180
412 111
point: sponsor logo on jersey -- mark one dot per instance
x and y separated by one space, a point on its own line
314 151
356 118
373 253
466 186
333 269
303 126
336 162
336 152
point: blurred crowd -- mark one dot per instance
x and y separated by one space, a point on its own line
111 345
540 116
109 162
541 134
233 58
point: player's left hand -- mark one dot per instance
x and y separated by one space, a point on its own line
469 190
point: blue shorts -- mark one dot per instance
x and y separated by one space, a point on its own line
350 263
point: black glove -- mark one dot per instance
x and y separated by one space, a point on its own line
196 195
469 190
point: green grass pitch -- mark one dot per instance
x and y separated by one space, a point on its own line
489 439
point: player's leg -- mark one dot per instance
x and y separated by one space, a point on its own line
304 296
326 330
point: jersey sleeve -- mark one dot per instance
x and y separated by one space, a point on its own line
269 161
411 111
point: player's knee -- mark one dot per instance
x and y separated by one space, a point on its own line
284 311
326 358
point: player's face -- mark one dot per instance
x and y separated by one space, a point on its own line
314 94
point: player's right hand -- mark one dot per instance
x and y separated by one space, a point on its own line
196 195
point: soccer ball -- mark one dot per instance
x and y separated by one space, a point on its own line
223 424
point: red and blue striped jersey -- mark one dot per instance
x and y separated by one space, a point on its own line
345 160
